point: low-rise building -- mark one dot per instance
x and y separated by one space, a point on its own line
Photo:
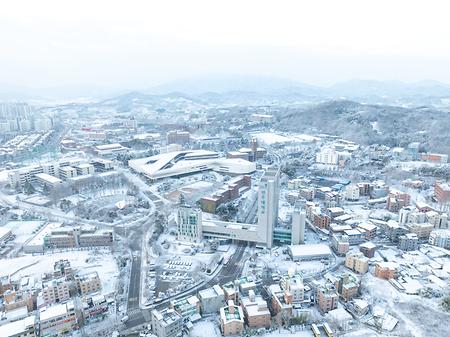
211 299
73 237
256 312
15 299
281 300
95 308
440 238
88 283
422 230
368 249
186 307
369 229
45 179
55 291
397 200
58 320
355 236
67 172
340 244
386 270
294 285
167 323
25 327
309 252
231 319
408 242
327 298
442 192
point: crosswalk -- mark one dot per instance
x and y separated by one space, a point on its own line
134 312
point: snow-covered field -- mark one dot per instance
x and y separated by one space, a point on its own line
81 260
23 230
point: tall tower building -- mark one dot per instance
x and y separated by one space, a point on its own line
268 196
298 225
189 224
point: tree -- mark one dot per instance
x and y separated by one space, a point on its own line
182 199
28 188
446 303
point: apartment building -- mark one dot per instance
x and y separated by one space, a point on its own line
340 244
357 262
294 285
352 193
178 137
347 285
442 192
281 300
408 242
231 319
368 249
256 312
88 283
55 291
438 220
422 230
327 298
369 229
440 238
397 200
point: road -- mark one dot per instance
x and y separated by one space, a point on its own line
230 272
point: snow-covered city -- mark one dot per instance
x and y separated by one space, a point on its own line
224 205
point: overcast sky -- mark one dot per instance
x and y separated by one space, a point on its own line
138 44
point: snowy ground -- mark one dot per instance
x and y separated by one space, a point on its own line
23 230
82 260
410 310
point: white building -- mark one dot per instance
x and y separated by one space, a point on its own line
178 163
58 319
67 172
189 224
440 238
211 299
85 169
309 252
268 198
298 226
327 156
352 192
22 328
47 180
166 323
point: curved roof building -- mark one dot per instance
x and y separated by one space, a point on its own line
179 163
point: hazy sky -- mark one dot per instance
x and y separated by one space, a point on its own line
138 44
